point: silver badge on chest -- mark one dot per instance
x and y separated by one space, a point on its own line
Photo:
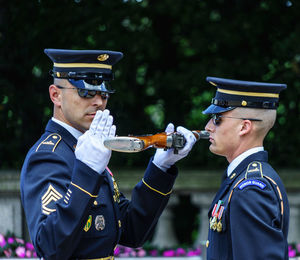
99 222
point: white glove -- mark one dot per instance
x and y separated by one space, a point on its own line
165 159
90 149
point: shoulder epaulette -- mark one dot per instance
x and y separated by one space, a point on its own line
254 169
50 143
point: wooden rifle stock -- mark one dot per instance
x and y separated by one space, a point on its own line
132 144
171 140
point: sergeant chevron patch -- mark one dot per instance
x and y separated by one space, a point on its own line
50 196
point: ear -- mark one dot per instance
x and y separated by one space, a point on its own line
246 127
55 94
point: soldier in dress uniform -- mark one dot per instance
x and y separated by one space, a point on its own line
71 200
249 216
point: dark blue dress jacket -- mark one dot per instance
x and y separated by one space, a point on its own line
74 212
252 219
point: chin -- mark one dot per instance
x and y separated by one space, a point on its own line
215 151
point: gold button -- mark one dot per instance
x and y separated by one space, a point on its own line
119 221
232 175
207 243
55 137
95 203
254 164
244 103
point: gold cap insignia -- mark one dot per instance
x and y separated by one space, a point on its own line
102 57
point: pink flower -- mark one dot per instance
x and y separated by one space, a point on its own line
133 253
10 240
180 252
124 255
292 253
141 252
29 246
198 251
28 254
7 252
20 241
190 253
20 251
127 249
2 241
153 252
194 252
169 253
117 251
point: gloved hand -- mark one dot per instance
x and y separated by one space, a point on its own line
165 159
90 149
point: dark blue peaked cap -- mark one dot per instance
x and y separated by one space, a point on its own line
86 69
237 93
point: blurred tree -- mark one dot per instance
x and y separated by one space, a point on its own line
169 46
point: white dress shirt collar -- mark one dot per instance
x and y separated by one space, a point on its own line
241 157
76 133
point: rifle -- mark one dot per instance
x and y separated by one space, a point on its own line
133 144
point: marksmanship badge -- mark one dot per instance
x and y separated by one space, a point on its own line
99 222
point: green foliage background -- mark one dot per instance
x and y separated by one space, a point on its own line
169 48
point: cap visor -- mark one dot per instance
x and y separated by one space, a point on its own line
213 109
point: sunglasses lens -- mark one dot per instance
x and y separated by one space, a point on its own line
216 119
104 95
84 93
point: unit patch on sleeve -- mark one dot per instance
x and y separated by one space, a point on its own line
48 199
256 183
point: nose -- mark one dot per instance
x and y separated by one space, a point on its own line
209 126
98 101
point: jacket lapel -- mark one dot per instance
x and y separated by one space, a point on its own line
68 138
226 184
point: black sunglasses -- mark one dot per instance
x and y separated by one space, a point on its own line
84 93
217 118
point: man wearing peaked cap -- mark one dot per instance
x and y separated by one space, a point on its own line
236 93
72 203
249 216
85 69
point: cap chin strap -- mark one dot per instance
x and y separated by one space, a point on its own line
244 103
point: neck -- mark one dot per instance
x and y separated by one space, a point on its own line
244 146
